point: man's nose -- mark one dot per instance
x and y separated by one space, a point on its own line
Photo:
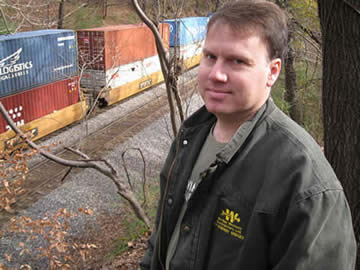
218 73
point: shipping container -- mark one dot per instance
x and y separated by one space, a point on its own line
111 96
184 31
121 75
32 104
187 51
109 47
32 59
188 55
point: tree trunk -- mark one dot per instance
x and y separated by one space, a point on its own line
217 4
61 15
197 7
340 24
104 9
290 79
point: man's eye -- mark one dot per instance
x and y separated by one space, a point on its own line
210 56
238 61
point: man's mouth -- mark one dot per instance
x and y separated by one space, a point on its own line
217 93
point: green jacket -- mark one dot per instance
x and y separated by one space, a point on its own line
270 201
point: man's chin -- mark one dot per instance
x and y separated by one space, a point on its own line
217 111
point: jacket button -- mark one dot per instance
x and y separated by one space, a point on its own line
186 228
185 142
170 201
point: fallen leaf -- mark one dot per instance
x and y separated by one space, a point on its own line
7 257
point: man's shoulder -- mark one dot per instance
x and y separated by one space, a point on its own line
296 150
293 166
287 133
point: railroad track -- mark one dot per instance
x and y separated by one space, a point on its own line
47 175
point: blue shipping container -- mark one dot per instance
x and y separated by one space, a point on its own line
31 59
184 31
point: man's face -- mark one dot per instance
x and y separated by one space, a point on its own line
235 74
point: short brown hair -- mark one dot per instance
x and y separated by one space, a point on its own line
262 17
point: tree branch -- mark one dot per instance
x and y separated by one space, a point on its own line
153 28
308 31
354 5
169 71
108 170
144 171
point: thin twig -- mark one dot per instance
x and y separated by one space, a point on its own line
144 171
66 174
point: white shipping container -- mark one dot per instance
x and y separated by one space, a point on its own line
118 76
187 51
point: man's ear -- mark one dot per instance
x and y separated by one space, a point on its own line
274 72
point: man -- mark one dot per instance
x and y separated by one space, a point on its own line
243 186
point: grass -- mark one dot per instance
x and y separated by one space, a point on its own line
92 15
86 18
132 226
132 18
3 27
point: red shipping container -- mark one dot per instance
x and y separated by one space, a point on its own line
37 102
112 46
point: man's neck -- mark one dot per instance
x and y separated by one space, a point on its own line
226 127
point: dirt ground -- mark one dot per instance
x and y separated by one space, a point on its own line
101 258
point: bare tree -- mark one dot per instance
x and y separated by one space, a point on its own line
290 95
61 14
217 4
27 15
302 66
340 23
290 77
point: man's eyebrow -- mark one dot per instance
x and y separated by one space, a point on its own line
206 51
231 56
240 57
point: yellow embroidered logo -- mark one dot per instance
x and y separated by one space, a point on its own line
227 222
230 216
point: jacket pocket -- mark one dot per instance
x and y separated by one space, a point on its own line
228 234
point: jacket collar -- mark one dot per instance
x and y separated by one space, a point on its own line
238 139
204 119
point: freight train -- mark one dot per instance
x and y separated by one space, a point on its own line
44 73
